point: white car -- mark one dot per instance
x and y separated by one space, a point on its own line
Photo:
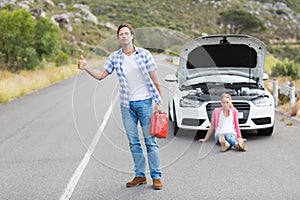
216 64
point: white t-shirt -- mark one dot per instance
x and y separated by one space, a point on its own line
226 124
137 84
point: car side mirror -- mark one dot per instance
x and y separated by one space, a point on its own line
171 78
265 77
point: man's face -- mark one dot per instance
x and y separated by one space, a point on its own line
125 36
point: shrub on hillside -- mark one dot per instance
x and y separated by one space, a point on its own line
286 68
24 41
61 58
240 21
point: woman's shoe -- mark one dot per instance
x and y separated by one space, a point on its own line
224 144
240 145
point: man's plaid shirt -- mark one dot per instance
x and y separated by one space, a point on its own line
145 62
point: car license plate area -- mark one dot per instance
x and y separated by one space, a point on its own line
241 115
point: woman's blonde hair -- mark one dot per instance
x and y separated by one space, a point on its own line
228 96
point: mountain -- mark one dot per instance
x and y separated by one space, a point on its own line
86 23
195 17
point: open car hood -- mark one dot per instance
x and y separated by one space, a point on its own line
238 55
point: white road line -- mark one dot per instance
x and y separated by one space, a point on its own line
78 172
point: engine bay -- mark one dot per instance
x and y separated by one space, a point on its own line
206 92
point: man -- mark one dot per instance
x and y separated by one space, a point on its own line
139 85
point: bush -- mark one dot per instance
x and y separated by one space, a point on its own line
286 68
46 39
30 59
241 21
61 58
25 41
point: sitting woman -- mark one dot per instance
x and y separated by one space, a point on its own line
225 124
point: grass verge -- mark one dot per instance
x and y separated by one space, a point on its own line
14 85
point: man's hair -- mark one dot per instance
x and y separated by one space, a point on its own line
127 26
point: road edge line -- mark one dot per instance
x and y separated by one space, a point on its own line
78 172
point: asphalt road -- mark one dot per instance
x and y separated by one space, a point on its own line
67 141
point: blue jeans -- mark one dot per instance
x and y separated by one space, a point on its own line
231 138
141 111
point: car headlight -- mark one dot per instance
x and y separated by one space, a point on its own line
193 103
262 101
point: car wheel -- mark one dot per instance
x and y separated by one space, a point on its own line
265 131
175 126
200 135
169 115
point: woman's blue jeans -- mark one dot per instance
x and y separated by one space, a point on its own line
231 138
141 111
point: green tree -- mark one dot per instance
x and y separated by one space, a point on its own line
46 38
286 68
239 21
24 41
61 58
16 40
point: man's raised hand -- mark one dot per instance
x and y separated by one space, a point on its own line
82 63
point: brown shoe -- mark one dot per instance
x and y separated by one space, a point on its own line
157 184
240 145
137 181
224 144
237 147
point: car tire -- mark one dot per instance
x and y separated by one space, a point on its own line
265 131
169 114
175 126
200 135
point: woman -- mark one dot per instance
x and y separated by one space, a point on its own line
225 124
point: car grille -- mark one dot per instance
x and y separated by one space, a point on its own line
240 106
